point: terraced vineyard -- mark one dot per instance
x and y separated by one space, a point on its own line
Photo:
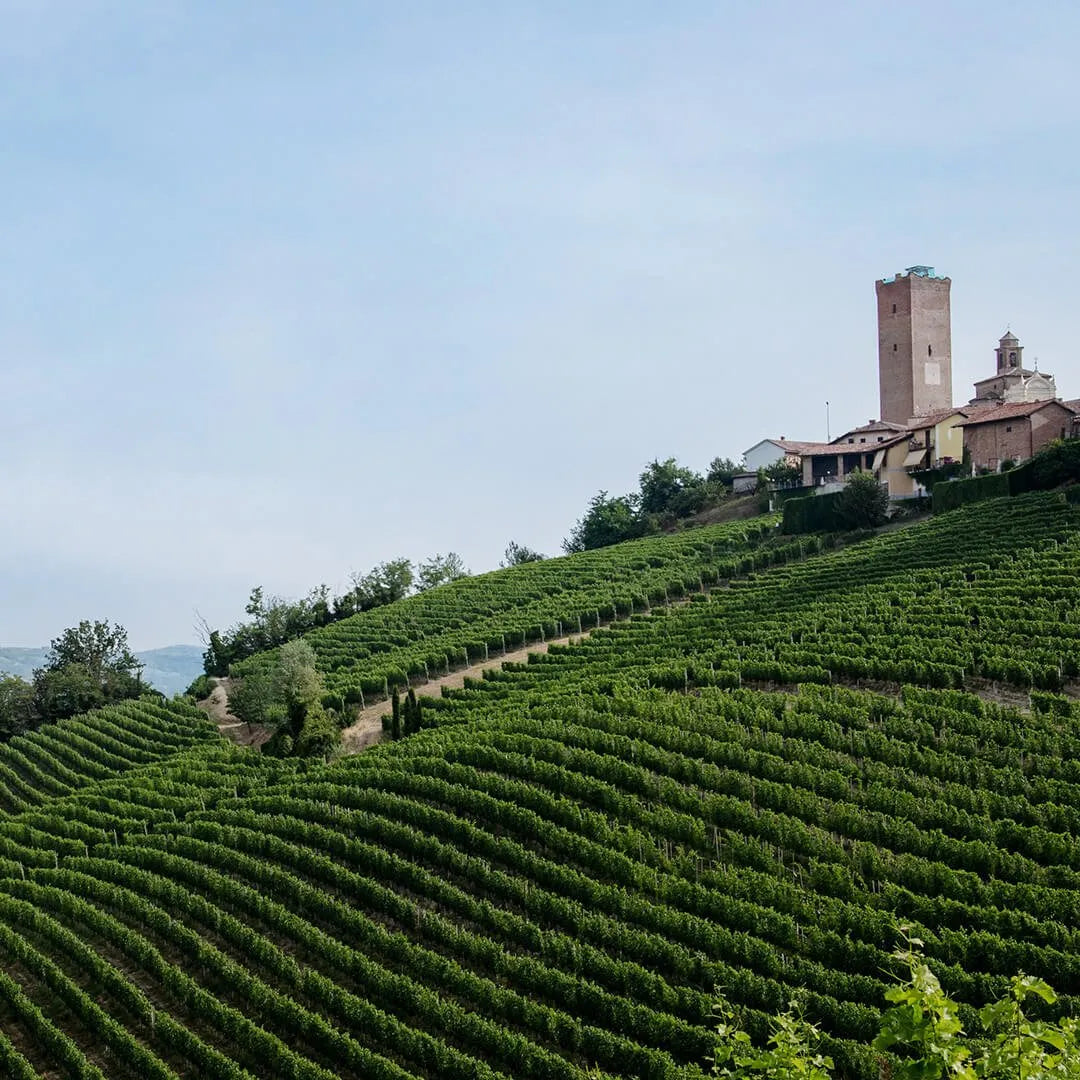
554 878
364 656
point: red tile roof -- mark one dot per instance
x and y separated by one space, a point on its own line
1010 411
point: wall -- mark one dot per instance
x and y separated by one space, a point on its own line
893 473
991 444
914 347
762 456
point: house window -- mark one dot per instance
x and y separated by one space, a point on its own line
881 438
894 348
1008 427
851 440
861 439
894 309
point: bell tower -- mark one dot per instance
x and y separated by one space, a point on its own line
914 344
1010 354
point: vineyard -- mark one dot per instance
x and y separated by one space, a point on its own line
551 879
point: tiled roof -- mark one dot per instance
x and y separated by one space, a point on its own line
874 425
832 449
1010 411
930 419
793 447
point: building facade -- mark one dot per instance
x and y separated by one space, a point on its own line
1013 432
914 344
1012 382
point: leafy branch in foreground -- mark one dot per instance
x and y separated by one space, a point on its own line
921 1036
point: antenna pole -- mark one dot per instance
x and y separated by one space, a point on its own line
828 430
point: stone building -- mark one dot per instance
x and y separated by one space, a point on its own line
1012 382
1014 431
914 344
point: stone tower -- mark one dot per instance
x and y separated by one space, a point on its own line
914 344
1010 354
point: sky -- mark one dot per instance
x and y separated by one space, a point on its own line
291 289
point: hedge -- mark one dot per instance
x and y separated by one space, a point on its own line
814 513
1057 463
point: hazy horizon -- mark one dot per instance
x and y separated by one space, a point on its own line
292 291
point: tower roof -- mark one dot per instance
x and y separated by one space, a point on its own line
1009 338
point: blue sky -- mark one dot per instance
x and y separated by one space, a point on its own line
290 289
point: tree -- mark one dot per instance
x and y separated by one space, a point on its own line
668 488
411 716
252 700
518 554
65 691
387 582
722 471
103 650
297 681
320 735
440 570
864 503
395 715
607 521
87 665
783 472
17 713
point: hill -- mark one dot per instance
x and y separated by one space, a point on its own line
169 669
554 874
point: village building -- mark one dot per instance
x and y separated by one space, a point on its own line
1016 430
1012 382
1014 413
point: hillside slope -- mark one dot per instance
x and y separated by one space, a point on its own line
555 875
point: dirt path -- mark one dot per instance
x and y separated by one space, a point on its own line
216 706
367 728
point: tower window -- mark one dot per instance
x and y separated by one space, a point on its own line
894 309
929 350
894 348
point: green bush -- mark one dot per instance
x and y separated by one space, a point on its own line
953 493
815 513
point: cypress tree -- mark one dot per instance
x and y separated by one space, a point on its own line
395 716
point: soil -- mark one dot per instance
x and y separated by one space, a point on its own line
367 728
216 706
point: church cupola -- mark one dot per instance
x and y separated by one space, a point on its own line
1010 354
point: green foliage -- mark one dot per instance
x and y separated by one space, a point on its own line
954 493
297 682
251 699
863 503
518 555
921 1034
608 520
320 735
395 716
812 513
440 570
387 582
17 711
783 472
669 488
722 471
791 1052
200 687
1055 464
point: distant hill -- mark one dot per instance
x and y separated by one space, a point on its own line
169 669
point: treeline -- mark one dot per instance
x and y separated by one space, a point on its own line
667 492
87 666
275 620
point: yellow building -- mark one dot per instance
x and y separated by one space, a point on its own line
931 440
